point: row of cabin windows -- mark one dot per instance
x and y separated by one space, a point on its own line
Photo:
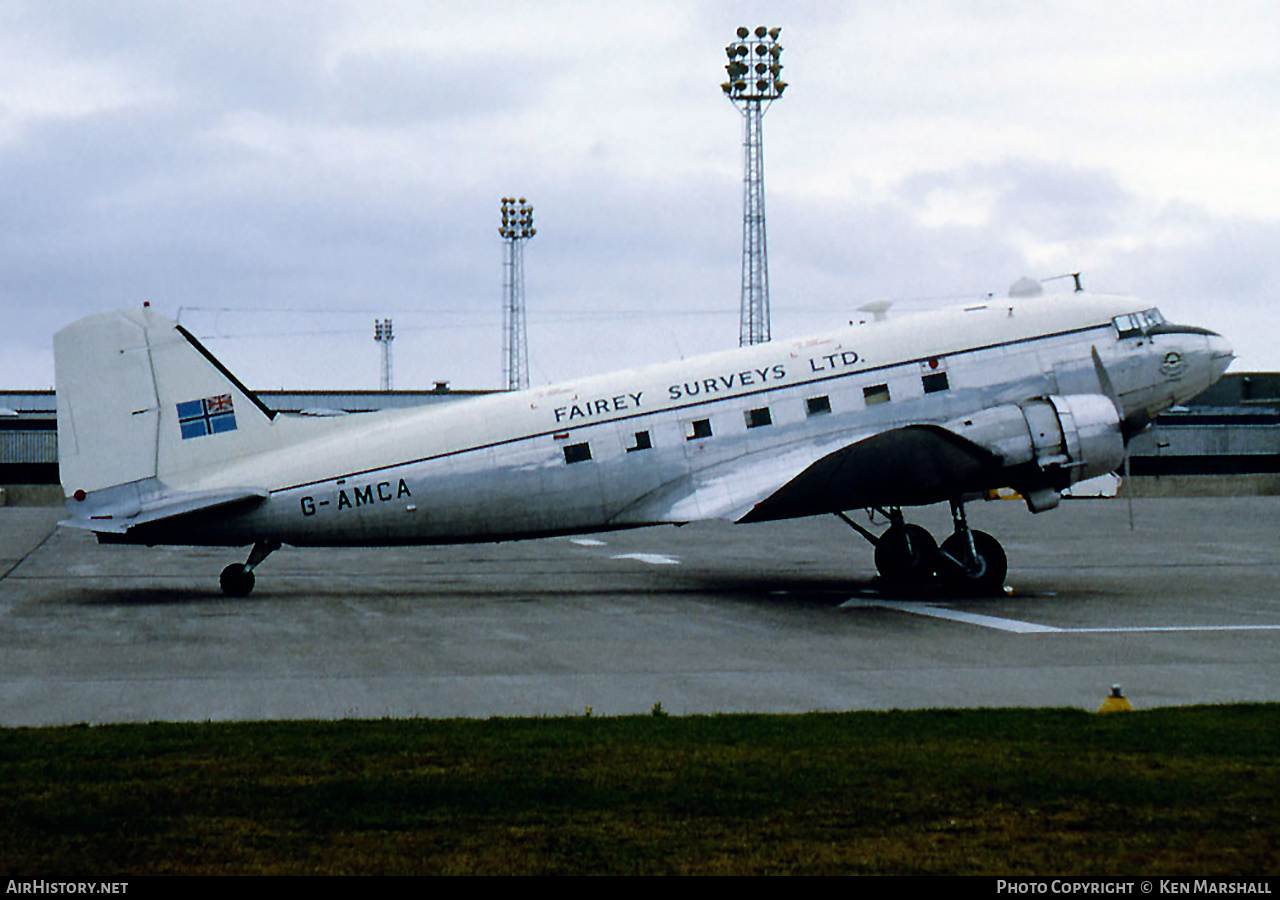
576 453
699 429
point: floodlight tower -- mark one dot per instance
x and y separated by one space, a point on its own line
383 336
517 227
755 81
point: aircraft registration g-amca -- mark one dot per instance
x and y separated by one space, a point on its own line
159 444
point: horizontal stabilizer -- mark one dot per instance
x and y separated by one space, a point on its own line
117 510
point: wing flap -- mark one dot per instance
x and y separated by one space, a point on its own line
725 491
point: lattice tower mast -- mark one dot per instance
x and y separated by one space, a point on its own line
755 81
517 227
383 335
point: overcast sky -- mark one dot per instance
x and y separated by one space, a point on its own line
277 174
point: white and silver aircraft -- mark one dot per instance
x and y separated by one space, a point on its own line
160 444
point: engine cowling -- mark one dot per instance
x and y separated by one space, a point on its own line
1049 443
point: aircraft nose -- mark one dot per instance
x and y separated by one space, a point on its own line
1220 353
1194 357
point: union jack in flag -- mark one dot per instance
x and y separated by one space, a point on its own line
212 415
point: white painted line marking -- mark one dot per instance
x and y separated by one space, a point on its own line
1019 627
955 615
653 559
1176 628
586 542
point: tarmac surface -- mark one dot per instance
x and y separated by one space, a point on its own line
712 617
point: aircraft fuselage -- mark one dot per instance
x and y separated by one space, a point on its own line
704 438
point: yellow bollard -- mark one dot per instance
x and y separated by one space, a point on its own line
1117 702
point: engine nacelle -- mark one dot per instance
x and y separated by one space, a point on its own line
1049 443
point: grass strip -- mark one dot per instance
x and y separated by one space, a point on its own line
1182 791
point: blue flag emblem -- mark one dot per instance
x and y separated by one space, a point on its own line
212 415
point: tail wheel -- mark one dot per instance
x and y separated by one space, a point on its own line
237 580
981 572
906 553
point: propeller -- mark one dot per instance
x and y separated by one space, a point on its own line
1130 425
1133 424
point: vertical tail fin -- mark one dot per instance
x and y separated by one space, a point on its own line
140 398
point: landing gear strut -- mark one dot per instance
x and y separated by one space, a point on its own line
237 579
906 552
972 561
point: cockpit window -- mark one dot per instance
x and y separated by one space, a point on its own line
1139 323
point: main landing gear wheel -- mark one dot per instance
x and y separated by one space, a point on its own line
970 561
978 569
906 553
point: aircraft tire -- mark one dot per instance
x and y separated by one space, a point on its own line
906 553
237 581
987 576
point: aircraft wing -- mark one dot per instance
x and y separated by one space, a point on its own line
914 464
126 509
909 466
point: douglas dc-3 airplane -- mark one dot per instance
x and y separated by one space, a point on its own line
160 444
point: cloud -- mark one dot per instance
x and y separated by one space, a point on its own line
345 161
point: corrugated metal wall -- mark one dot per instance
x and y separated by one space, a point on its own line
28 447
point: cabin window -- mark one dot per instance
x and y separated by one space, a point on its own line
817 406
643 442
758 418
935 382
576 453
876 393
698 428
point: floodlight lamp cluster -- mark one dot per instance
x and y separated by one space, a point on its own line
517 219
755 65
382 330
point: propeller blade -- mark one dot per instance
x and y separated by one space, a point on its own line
1104 380
1129 426
1128 488
1133 424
